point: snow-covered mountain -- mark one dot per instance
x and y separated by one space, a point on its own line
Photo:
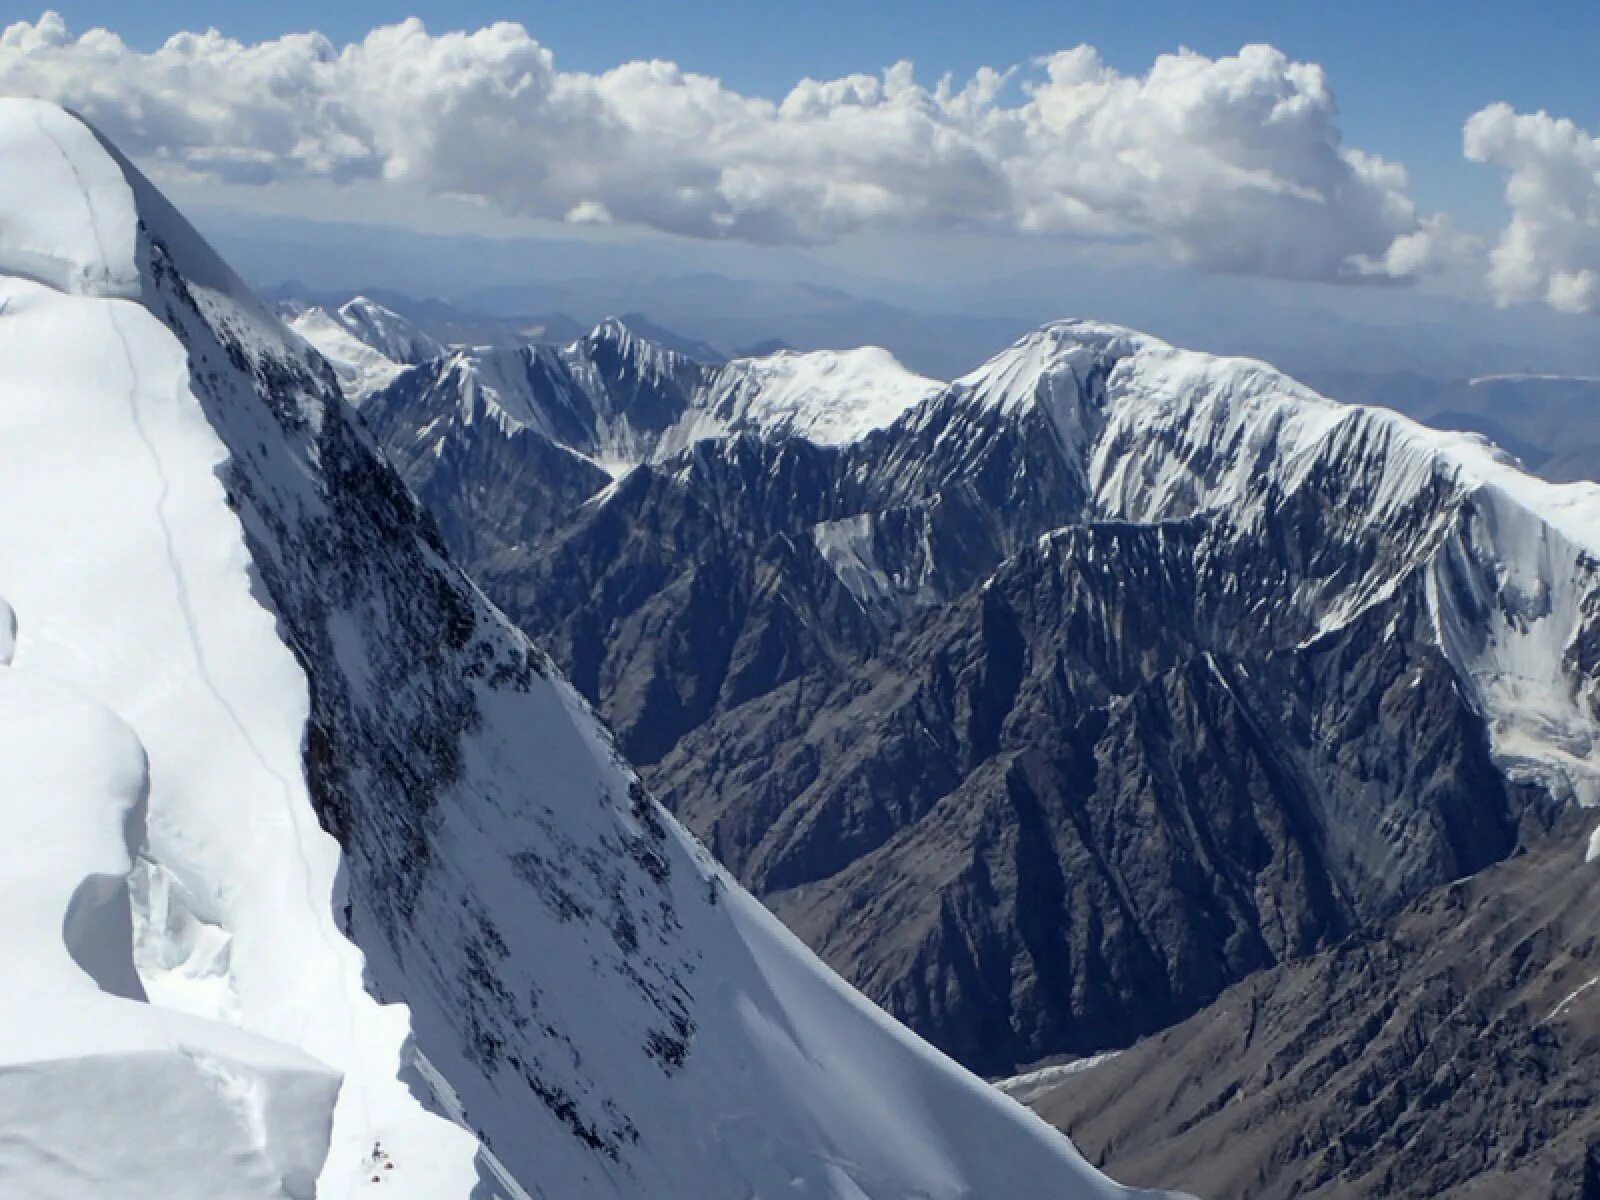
1506 564
619 399
1145 433
1047 703
314 853
366 344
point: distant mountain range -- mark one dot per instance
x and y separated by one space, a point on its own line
948 305
1050 703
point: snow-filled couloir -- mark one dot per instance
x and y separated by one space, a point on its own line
302 816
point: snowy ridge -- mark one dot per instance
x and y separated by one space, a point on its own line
1509 562
74 252
107 448
620 400
194 533
386 331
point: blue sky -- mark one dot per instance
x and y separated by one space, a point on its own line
1160 177
1406 74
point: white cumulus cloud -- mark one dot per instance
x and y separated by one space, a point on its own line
1550 249
1232 164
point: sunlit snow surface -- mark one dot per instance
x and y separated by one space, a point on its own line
149 677
366 343
102 1094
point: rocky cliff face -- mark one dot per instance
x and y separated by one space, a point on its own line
1451 1053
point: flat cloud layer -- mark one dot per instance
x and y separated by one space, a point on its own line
1232 164
1550 250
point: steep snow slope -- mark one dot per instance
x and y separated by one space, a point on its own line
131 581
194 533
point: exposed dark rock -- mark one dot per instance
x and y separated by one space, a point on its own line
1451 1053
1042 726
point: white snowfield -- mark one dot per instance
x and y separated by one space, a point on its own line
831 397
101 1093
365 343
181 1006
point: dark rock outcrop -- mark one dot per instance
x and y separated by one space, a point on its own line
1450 1053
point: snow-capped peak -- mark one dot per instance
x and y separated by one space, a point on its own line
1510 564
1013 379
615 347
387 331
830 397
367 344
229 613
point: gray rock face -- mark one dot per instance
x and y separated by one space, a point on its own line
1451 1053
1075 694
1058 814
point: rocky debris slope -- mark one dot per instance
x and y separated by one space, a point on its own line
1452 1053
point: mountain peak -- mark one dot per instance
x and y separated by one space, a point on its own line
612 330
96 233
366 343
614 345
386 839
84 242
